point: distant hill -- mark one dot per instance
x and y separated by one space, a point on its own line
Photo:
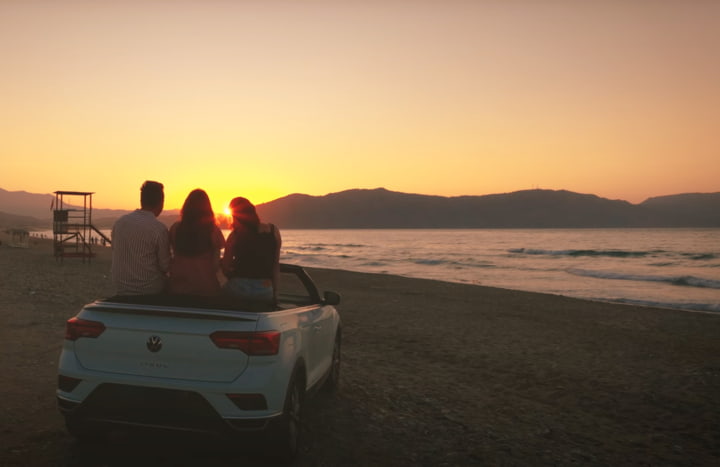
21 222
381 208
38 208
689 209
26 204
40 205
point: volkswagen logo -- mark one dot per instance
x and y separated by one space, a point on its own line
154 343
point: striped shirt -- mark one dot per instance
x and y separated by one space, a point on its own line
140 254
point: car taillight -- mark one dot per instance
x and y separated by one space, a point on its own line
75 328
252 343
67 383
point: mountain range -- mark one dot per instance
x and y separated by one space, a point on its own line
381 208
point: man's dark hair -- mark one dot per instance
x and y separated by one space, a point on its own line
151 194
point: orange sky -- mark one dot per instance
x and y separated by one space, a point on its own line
267 98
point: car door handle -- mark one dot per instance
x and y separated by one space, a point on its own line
317 327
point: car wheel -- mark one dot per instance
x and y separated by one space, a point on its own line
332 383
286 437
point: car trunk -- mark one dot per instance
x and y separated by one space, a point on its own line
163 342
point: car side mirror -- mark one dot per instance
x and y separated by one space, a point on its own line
331 298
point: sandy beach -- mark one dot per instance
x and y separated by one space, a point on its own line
433 374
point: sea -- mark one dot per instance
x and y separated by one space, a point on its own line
668 268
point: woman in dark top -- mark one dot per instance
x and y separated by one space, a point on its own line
195 242
252 255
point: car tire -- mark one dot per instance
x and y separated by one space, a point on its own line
332 381
285 438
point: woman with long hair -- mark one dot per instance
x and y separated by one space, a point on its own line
251 261
195 241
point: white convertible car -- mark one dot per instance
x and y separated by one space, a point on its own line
197 364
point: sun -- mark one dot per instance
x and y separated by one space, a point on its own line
224 218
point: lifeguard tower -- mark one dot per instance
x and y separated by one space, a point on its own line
72 225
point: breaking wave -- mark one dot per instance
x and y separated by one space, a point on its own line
468 263
686 281
327 246
611 253
701 256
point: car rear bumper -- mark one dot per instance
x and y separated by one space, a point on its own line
123 405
